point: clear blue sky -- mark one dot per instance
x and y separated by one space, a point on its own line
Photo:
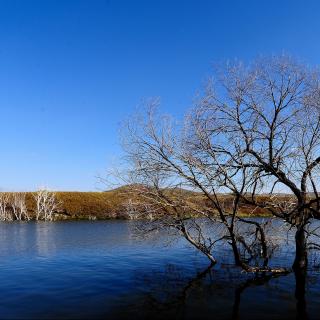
72 70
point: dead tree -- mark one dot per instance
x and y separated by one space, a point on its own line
19 207
46 204
5 212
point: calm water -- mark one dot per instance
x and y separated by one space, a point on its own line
98 270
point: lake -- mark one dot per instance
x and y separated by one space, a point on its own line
98 270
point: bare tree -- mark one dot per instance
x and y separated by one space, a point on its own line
46 204
165 157
5 213
265 121
18 205
174 211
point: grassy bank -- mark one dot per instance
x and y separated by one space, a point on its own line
85 205
109 205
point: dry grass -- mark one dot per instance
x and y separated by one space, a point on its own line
85 205
111 204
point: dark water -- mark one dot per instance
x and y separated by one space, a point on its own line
84 270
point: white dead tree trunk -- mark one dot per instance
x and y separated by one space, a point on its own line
46 204
19 207
5 214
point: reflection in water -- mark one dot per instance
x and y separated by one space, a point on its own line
178 303
97 270
300 293
258 280
44 240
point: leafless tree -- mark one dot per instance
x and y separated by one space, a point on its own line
263 121
46 204
165 157
18 205
5 213
174 211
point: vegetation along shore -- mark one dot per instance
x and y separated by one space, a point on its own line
113 204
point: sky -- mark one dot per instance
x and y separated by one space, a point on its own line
72 71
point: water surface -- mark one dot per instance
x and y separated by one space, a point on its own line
81 270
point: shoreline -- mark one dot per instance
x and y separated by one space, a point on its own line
108 205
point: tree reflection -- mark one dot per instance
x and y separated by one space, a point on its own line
258 280
300 276
178 303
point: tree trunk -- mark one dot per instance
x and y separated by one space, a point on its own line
235 250
301 258
237 258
